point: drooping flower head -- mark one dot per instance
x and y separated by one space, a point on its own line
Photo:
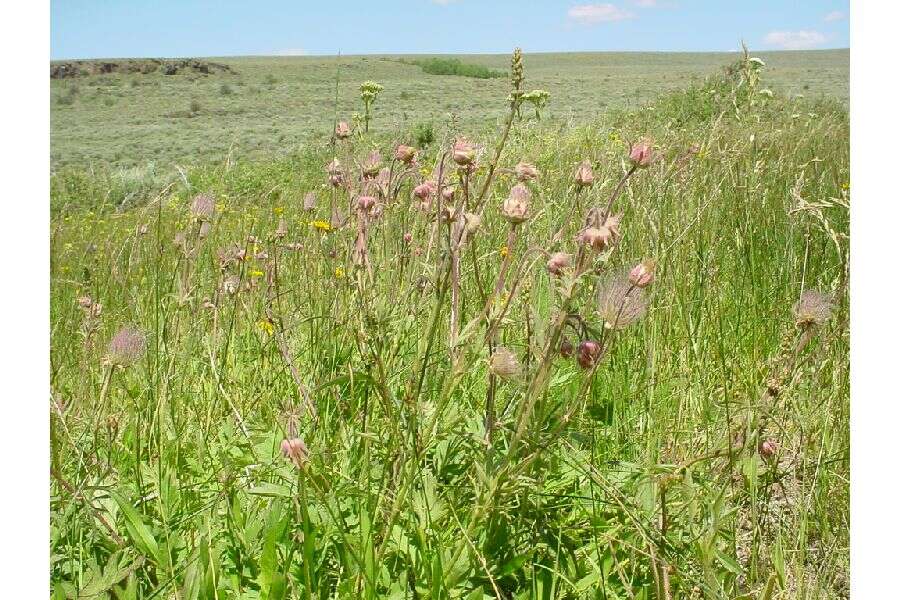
515 207
526 171
596 238
425 190
342 130
295 450
463 153
588 353
559 262
126 347
642 153
643 273
335 173
584 175
405 154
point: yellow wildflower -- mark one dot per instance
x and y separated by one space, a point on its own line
256 273
504 250
267 326
278 210
338 272
322 225
845 185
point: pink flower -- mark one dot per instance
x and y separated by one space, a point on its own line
559 262
584 176
597 238
642 154
588 353
342 130
566 349
425 190
768 448
296 451
642 274
463 153
515 207
526 171
407 237
365 203
405 154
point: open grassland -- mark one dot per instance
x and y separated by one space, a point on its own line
272 105
261 393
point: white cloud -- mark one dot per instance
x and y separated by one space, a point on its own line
646 3
291 52
834 15
794 40
591 14
442 2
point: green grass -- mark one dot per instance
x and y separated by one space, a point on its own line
168 479
280 105
454 66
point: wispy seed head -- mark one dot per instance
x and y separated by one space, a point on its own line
620 303
126 347
813 308
203 207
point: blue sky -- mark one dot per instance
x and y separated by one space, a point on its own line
132 28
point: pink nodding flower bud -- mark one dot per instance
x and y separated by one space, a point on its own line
559 262
342 130
463 153
515 207
526 171
566 349
295 450
588 353
407 237
642 274
597 238
309 201
406 154
642 154
447 193
365 203
424 190
584 176
768 448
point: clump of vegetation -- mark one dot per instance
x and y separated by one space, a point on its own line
527 364
225 90
454 66
195 107
423 133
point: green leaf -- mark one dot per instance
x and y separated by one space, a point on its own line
138 531
272 490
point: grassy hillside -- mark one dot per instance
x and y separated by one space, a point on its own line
367 393
270 106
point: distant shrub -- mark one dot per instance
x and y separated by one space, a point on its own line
454 66
424 134
225 90
67 98
270 79
195 106
135 83
108 101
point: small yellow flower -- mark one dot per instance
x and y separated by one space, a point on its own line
845 185
220 207
322 225
278 210
266 325
614 137
504 250
338 272
256 273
